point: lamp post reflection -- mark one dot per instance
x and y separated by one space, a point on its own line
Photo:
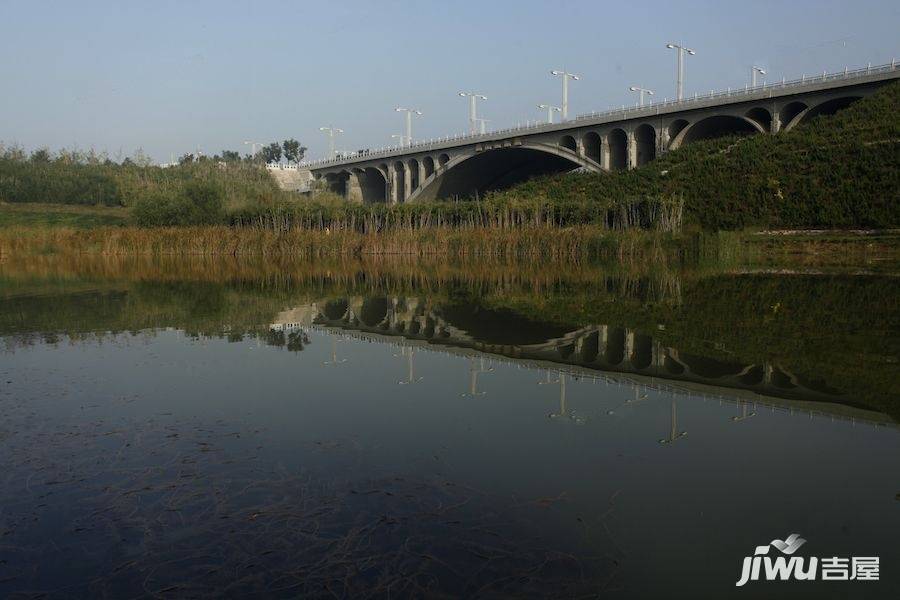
476 367
334 359
744 414
564 413
674 434
638 397
410 369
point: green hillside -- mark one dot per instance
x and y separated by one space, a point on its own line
836 171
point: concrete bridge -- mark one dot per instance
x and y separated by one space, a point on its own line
596 142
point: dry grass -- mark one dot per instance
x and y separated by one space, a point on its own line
545 243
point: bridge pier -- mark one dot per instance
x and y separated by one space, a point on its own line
354 189
776 122
604 152
392 185
631 150
407 183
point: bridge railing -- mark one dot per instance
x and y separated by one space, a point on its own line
624 112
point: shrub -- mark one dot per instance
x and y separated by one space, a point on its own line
197 203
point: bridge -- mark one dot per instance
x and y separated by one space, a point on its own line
463 166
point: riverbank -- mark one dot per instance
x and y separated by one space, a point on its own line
866 250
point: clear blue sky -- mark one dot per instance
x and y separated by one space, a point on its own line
169 77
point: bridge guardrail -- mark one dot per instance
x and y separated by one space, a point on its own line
626 112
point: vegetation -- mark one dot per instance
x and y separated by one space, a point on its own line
197 203
836 171
89 179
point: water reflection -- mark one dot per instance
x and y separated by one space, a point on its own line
320 430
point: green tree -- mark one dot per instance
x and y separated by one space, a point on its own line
186 159
231 156
41 155
272 152
293 151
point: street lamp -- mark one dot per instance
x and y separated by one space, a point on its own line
753 73
641 91
549 108
482 125
400 137
331 131
680 50
473 117
566 76
409 115
253 146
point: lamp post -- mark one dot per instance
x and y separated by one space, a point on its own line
400 139
679 72
409 115
642 92
253 146
549 108
473 114
331 131
754 71
566 76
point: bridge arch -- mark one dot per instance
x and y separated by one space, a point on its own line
427 167
715 126
761 116
591 143
372 184
828 107
568 142
645 139
618 150
676 127
790 112
498 168
373 311
443 159
337 182
414 173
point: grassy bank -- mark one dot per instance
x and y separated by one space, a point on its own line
839 171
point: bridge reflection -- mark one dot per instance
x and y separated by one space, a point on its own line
601 352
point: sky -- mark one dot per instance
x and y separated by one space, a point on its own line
175 77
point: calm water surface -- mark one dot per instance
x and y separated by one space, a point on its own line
369 430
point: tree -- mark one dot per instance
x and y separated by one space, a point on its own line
293 151
186 159
272 152
231 156
40 156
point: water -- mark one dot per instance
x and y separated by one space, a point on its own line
206 428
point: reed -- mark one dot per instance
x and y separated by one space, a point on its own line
536 243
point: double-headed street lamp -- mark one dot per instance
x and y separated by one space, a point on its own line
642 92
754 71
679 73
549 108
566 76
331 131
409 115
473 113
253 146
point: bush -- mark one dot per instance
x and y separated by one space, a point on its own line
197 203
